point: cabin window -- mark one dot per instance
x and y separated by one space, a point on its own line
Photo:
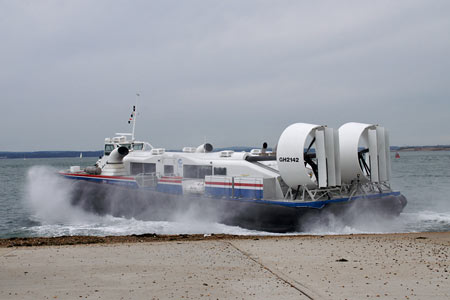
126 145
194 171
138 168
168 170
220 171
109 148
138 146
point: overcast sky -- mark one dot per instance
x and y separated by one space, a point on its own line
233 72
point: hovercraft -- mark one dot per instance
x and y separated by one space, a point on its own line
313 169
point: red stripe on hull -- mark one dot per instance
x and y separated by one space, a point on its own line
236 184
98 176
170 181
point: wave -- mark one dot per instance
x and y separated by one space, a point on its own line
120 226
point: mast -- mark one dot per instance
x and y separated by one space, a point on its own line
134 117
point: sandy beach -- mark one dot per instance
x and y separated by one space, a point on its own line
386 266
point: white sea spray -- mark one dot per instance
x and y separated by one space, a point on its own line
48 196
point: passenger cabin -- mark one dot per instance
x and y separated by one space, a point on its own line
310 162
214 173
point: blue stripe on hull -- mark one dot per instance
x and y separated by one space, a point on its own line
244 193
170 189
238 193
218 192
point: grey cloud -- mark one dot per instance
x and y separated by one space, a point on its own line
237 72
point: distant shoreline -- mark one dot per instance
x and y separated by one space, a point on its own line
49 154
423 148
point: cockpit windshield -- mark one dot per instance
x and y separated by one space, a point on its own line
138 146
132 146
108 148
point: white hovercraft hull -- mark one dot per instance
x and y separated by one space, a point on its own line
313 171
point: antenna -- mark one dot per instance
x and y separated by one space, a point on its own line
134 116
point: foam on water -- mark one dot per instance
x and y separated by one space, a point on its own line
120 226
425 221
405 222
108 225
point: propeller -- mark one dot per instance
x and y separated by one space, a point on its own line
362 161
308 157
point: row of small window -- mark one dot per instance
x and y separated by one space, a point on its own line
189 171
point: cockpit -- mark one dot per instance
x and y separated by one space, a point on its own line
138 146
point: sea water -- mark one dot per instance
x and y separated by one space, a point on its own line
34 201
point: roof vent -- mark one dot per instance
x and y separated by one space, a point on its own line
158 151
226 153
255 152
189 149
